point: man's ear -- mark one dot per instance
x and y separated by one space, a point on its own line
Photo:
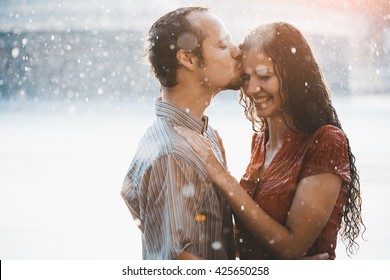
186 59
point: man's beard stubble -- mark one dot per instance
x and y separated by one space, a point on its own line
234 84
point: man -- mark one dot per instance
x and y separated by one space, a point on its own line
167 189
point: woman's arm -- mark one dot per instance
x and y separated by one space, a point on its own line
310 210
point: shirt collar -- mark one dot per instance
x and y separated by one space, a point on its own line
179 116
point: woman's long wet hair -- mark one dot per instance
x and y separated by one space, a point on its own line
307 98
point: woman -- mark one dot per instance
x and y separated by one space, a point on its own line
301 185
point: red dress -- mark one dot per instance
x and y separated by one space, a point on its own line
301 156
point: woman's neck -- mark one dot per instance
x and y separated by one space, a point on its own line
277 127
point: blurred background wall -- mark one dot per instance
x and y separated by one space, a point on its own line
93 49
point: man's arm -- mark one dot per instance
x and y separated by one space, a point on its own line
170 226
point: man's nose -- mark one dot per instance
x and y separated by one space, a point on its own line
236 52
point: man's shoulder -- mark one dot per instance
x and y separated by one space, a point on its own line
161 140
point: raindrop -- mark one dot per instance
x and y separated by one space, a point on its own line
188 190
216 245
15 52
187 41
137 222
200 218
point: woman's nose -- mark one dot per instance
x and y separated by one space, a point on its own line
253 87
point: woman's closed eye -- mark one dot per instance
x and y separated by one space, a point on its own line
245 77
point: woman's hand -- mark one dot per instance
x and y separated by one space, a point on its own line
203 147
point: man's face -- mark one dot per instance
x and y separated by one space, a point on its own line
221 66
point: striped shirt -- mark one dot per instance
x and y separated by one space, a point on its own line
170 195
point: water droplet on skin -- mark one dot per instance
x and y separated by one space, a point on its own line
293 50
242 207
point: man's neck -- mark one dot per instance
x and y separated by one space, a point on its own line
194 101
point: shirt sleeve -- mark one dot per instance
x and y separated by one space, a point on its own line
170 219
327 152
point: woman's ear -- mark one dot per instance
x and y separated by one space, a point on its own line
186 59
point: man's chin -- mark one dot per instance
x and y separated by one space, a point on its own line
234 85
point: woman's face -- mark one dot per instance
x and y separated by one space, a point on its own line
261 84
